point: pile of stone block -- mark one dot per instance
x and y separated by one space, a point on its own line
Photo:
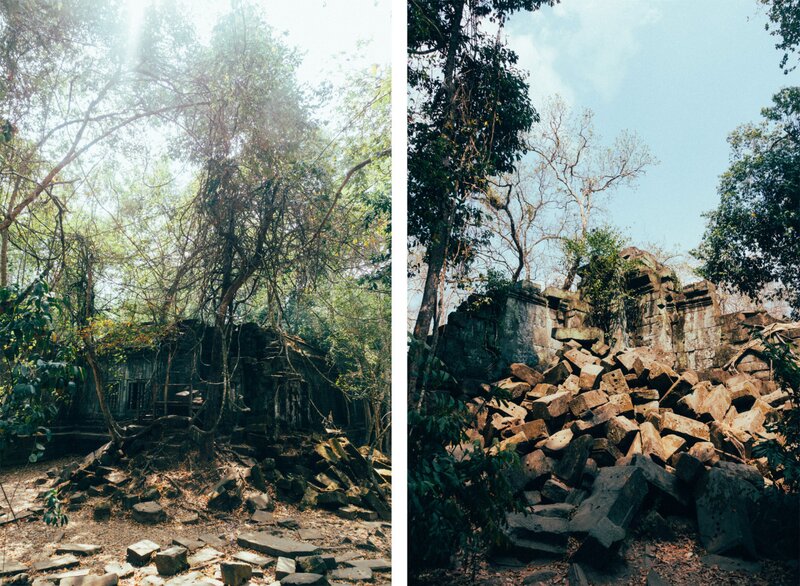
606 436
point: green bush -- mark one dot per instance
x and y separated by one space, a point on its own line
784 457
603 275
456 504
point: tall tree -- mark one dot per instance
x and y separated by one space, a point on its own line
469 109
784 22
752 239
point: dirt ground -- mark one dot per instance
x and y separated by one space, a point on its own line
30 539
678 562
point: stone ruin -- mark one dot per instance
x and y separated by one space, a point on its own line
610 439
682 324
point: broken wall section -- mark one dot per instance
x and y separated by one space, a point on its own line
682 324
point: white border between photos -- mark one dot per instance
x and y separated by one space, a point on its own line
399 296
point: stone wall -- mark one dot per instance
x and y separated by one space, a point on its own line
682 324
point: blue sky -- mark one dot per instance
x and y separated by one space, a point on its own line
681 74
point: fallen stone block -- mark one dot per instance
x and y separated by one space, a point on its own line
149 512
724 505
526 373
586 401
56 563
617 494
276 546
84 549
109 579
139 553
660 479
570 467
602 540
235 573
284 567
620 431
688 429
311 579
688 468
555 491
590 375
551 406
614 383
172 560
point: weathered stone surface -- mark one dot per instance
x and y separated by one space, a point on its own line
617 494
56 563
573 460
532 430
558 441
614 383
557 374
724 506
284 567
149 512
124 570
306 580
203 557
311 564
259 502
672 444
590 376
140 552
620 431
586 401
526 373
601 541
604 453
705 452
101 511
212 540
79 548
172 560
688 468
109 579
11 568
253 558
586 335
651 442
276 546
555 491
551 406
660 479
683 426
235 573
516 389
639 396
187 542
539 528
579 358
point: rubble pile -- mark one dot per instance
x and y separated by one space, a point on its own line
332 473
609 440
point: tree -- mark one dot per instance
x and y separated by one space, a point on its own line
468 111
603 276
784 22
752 239
578 169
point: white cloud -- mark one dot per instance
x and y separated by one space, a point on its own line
580 43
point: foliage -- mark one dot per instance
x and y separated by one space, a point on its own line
784 22
53 509
752 240
36 367
603 275
456 505
784 456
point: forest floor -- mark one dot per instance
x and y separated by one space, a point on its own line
677 561
29 540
